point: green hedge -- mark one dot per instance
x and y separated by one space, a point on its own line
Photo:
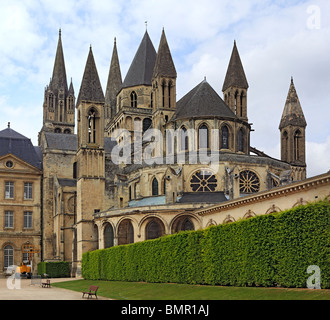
54 269
269 250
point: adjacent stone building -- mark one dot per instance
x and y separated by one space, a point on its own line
142 164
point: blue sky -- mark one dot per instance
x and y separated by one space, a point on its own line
276 40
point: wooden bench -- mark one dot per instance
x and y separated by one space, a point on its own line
46 284
92 292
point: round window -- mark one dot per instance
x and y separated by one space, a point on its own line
203 181
9 164
249 182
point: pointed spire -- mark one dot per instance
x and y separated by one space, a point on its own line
164 65
114 79
71 90
59 80
90 89
293 114
141 69
235 76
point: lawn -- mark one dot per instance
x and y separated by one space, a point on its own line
157 291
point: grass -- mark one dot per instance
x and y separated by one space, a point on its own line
157 291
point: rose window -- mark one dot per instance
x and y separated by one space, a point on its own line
203 181
249 182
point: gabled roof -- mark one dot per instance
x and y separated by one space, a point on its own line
293 114
90 89
164 65
142 67
202 101
235 76
12 142
61 141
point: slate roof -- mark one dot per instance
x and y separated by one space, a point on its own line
293 114
203 101
142 67
203 197
61 141
164 65
59 79
90 89
12 142
235 73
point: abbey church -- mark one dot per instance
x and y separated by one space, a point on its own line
70 194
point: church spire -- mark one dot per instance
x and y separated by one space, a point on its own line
235 76
114 84
59 80
90 89
293 114
164 66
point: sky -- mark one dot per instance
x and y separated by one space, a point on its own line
276 39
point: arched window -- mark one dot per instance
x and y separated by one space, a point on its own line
152 100
154 229
163 93
236 102
133 99
203 133
285 146
8 256
125 233
249 182
184 139
297 138
147 123
241 104
203 181
67 131
187 225
155 187
241 140
225 138
108 236
58 130
170 94
92 126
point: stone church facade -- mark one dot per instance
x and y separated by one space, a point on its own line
176 158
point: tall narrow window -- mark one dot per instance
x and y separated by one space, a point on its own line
155 187
108 236
92 126
241 140
169 94
9 256
236 103
297 137
152 100
225 138
9 219
9 190
28 191
285 146
203 137
184 139
241 103
28 220
163 93
133 99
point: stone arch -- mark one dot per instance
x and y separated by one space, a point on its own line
229 219
300 202
108 232
249 214
184 222
211 223
273 209
125 231
145 220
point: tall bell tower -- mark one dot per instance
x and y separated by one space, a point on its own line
90 157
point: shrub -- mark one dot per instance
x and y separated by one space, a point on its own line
270 250
54 269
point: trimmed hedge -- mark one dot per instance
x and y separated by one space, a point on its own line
54 269
270 250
